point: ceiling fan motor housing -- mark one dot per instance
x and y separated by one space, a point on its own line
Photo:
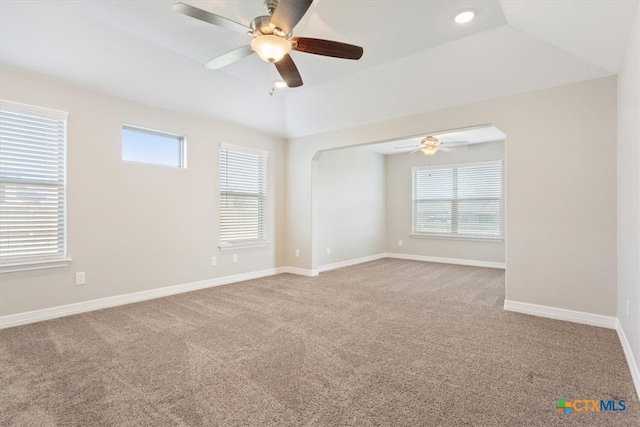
262 26
430 141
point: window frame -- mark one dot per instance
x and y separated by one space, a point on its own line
182 140
60 259
261 241
454 200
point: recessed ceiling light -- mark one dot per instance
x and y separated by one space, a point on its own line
280 84
464 17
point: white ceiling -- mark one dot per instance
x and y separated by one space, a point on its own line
416 58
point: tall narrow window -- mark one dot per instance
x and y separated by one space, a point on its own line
32 185
243 197
462 200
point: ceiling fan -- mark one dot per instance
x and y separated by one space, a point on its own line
430 145
272 39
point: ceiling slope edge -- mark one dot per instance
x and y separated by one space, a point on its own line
496 63
596 31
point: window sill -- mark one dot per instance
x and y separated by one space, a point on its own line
241 245
452 237
34 265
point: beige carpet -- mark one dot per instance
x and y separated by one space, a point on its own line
393 343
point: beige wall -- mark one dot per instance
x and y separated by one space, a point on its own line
135 227
139 227
561 189
398 178
629 191
351 204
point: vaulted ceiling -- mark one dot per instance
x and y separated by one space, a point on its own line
416 58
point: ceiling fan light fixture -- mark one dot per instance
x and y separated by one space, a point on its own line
464 17
430 150
280 84
270 48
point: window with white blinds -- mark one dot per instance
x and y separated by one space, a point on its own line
463 200
243 196
32 184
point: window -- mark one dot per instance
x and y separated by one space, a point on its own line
243 197
463 201
32 187
150 146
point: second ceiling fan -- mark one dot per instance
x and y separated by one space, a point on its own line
430 145
272 39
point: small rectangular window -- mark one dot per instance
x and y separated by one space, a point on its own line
243 197
463 201
150 146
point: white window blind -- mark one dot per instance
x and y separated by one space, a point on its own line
243 196
462 200
32 183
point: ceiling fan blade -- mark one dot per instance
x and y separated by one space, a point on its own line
288 71
229 58
454 143
445 149
406 146
211 18
288 13
415 151
326 48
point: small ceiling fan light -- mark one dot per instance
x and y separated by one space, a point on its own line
430 151
280 84
270 48
464 17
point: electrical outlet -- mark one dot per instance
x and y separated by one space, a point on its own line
235 257
628 310
399 242
81 278
328 250
214 261
297 253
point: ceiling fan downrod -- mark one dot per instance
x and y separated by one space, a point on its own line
271 5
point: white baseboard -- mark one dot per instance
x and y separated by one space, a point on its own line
18 319
609 322
298 271
350 262
631 361
98 304
456 261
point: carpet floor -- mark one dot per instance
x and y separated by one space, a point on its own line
386 343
